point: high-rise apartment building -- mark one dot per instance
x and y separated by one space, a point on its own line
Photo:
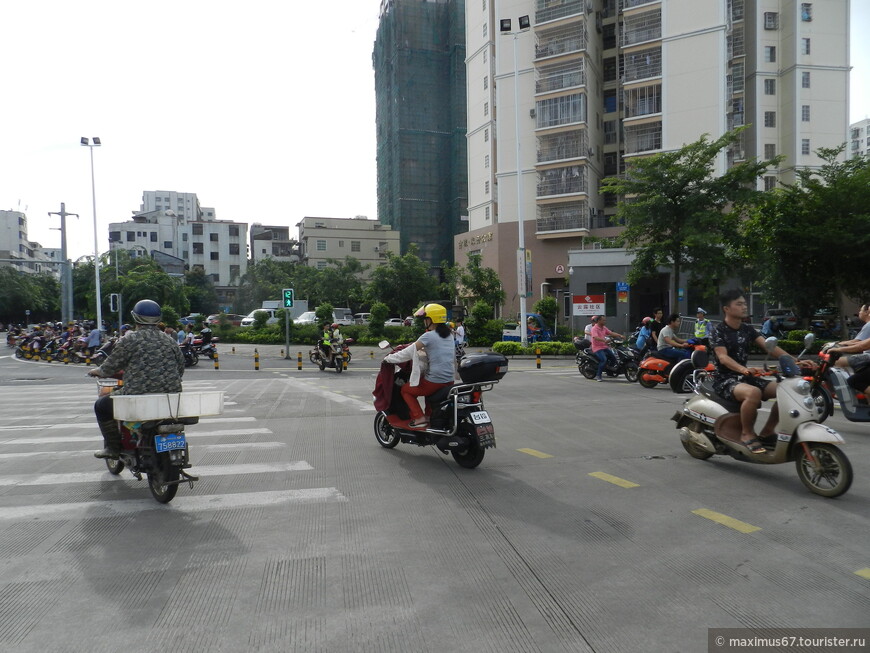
419 62
859 138
602 82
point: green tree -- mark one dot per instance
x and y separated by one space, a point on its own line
811 239
679 214
547 307
403 283
38 293
380 312
324 313
340 283
200 292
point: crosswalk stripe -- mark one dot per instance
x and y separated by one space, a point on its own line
56 439
186 504
241 446
93 423
206 470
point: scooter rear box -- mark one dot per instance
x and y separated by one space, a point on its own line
479 368
165 406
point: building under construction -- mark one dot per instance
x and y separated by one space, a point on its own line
419 61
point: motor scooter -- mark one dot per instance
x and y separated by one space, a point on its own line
335 359
709 425
829 382
625 357
656 368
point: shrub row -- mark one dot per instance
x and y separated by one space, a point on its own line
547 348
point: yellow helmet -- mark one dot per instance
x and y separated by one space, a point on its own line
435 312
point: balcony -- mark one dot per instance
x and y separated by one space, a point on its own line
631 4
570 216
556 41
565 110
546 10
642 27
643 138
557 77
559 147
562 181
642 65
643 101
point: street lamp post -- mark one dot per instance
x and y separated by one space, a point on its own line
505 26
95 142
66 294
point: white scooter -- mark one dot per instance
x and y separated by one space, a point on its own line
709 425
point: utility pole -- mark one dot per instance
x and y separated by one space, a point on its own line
66 286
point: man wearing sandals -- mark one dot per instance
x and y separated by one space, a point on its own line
731 340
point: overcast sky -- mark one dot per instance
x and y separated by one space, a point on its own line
265 109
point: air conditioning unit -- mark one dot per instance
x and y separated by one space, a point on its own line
531 113
377 249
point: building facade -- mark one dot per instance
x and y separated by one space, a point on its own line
859 138
419 62
368 241
184 205
269 241
600 82
21 253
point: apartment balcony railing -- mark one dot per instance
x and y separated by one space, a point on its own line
559 76
643 101
643 138
631 4
642 65
735 9
567 39
552 9
558 147
562 181
562 217
642 27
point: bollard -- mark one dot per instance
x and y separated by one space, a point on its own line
217 365
299 360
538 357
87 357
282 353
234 350
66 358
344 360
256 359
372 354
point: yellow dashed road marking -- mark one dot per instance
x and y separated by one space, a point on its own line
535 453
621 482
725 520
864 573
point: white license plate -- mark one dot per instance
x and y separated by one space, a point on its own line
480 417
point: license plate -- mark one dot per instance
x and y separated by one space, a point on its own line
480 417
169 442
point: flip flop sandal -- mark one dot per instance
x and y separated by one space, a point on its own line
754 445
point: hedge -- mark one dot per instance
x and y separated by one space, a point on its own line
512 348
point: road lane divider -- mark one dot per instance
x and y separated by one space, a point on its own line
535 453
725 520
863 573
621 482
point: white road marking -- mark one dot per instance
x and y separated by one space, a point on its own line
241 446
92 438
185 504
206 470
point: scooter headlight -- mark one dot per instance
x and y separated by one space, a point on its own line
809 402
803 387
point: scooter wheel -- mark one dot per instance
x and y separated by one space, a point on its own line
588 370
386 435
339 365
834 475
681 380
646 383
695 451
472 456
631 372
157 483
827 402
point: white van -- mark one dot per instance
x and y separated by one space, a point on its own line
249 318
362 318
342 316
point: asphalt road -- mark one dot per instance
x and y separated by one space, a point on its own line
579 532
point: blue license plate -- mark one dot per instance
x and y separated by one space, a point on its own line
169 442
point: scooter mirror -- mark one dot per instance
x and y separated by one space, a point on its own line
809 339
770 344
383 344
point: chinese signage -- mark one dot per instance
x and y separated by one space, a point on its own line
621 292
474 240
588 304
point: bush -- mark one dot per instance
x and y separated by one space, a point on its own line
380 312
547 348
508 348
260 319
324 313
170 317
797 335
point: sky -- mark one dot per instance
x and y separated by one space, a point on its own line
265 109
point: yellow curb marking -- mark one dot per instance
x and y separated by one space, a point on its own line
725 520
864 573
535 453
621 482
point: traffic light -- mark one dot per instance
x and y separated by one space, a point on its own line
113 302
288 298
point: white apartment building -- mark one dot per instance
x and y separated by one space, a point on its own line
603 81
368 241
273 241
859 138
19 252
185 205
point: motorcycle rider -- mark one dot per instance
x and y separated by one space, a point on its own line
858 360
655 326
600 347
152 363
644 336
325 343
735 381
671 346
438 344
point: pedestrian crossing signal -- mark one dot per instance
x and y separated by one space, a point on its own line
288 298
113 302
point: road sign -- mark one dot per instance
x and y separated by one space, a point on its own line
560 269
288 297
588 304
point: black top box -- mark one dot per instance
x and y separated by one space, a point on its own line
479 368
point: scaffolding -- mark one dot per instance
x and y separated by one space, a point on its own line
419 63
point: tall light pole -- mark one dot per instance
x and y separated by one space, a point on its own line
95 142
522 280
66 294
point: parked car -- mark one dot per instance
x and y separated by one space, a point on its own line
342 316
232 318
362 318
308 317
190 319
826 313
787 319
250 317
395 321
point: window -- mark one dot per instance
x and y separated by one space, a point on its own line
213 238
486 212
486 108
769 150
197 248
770 87
486 187
610 69
609 36
341 243
609 101
114 236
770 118
196 229
234 249
486 81
769 183
153 236
805 146
486 135
234 230
184 237
484 5
214 256
321 245
770 53
805 80
805 46
609 132
321 265
354 245
805 113
131 236
771 20
806 11
485 30
486 161
167 244
561 110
